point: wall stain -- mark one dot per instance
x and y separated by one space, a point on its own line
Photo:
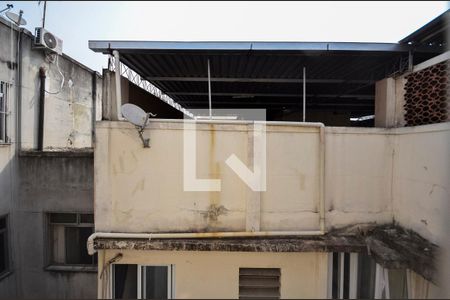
139 186
302 181
214 169
213 213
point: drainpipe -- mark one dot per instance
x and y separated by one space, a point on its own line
94 106
19 93
41 109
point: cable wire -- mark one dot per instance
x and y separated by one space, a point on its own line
59 70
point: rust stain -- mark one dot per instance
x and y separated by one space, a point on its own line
214 166
215 209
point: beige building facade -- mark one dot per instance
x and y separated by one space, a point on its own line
368 177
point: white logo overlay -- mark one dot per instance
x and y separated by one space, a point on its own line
254 176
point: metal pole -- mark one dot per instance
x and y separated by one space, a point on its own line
304 94
43 15
209 91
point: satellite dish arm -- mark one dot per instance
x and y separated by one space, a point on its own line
8 7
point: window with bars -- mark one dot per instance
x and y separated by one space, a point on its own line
4 112
259 283
67 237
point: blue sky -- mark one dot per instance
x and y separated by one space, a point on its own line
77 22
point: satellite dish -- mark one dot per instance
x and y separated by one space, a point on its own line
134 114
137 116
17 19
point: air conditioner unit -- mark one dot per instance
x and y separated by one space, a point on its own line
46 40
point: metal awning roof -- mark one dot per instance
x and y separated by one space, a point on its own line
435 32
168 46
265 74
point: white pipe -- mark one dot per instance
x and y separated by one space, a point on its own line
322 178
304 94
118 84
209 91
189 235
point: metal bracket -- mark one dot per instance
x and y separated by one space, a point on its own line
145 142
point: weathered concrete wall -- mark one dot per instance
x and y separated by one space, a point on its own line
371 175
421 189
303 275
134 184
8 162
358 174
40 184
70 110
52 182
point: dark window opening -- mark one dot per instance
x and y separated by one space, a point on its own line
366 277
68 234
4 253
125 281
155 282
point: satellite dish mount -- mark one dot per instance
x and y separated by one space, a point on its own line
139 118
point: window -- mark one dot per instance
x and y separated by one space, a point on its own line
142 282
390 283
257 283
68 234
4 112
398 284
358 276
4 253
352 276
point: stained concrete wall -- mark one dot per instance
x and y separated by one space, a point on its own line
141 190
8 161
421 190
371 175
134 184
31 185
68 111
358 175
209 275
52 182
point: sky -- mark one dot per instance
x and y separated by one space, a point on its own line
77 22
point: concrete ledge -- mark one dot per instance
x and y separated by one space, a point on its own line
66 153
71 268
390 246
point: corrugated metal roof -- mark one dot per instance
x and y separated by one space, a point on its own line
264 74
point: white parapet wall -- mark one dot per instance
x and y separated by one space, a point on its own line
371 175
